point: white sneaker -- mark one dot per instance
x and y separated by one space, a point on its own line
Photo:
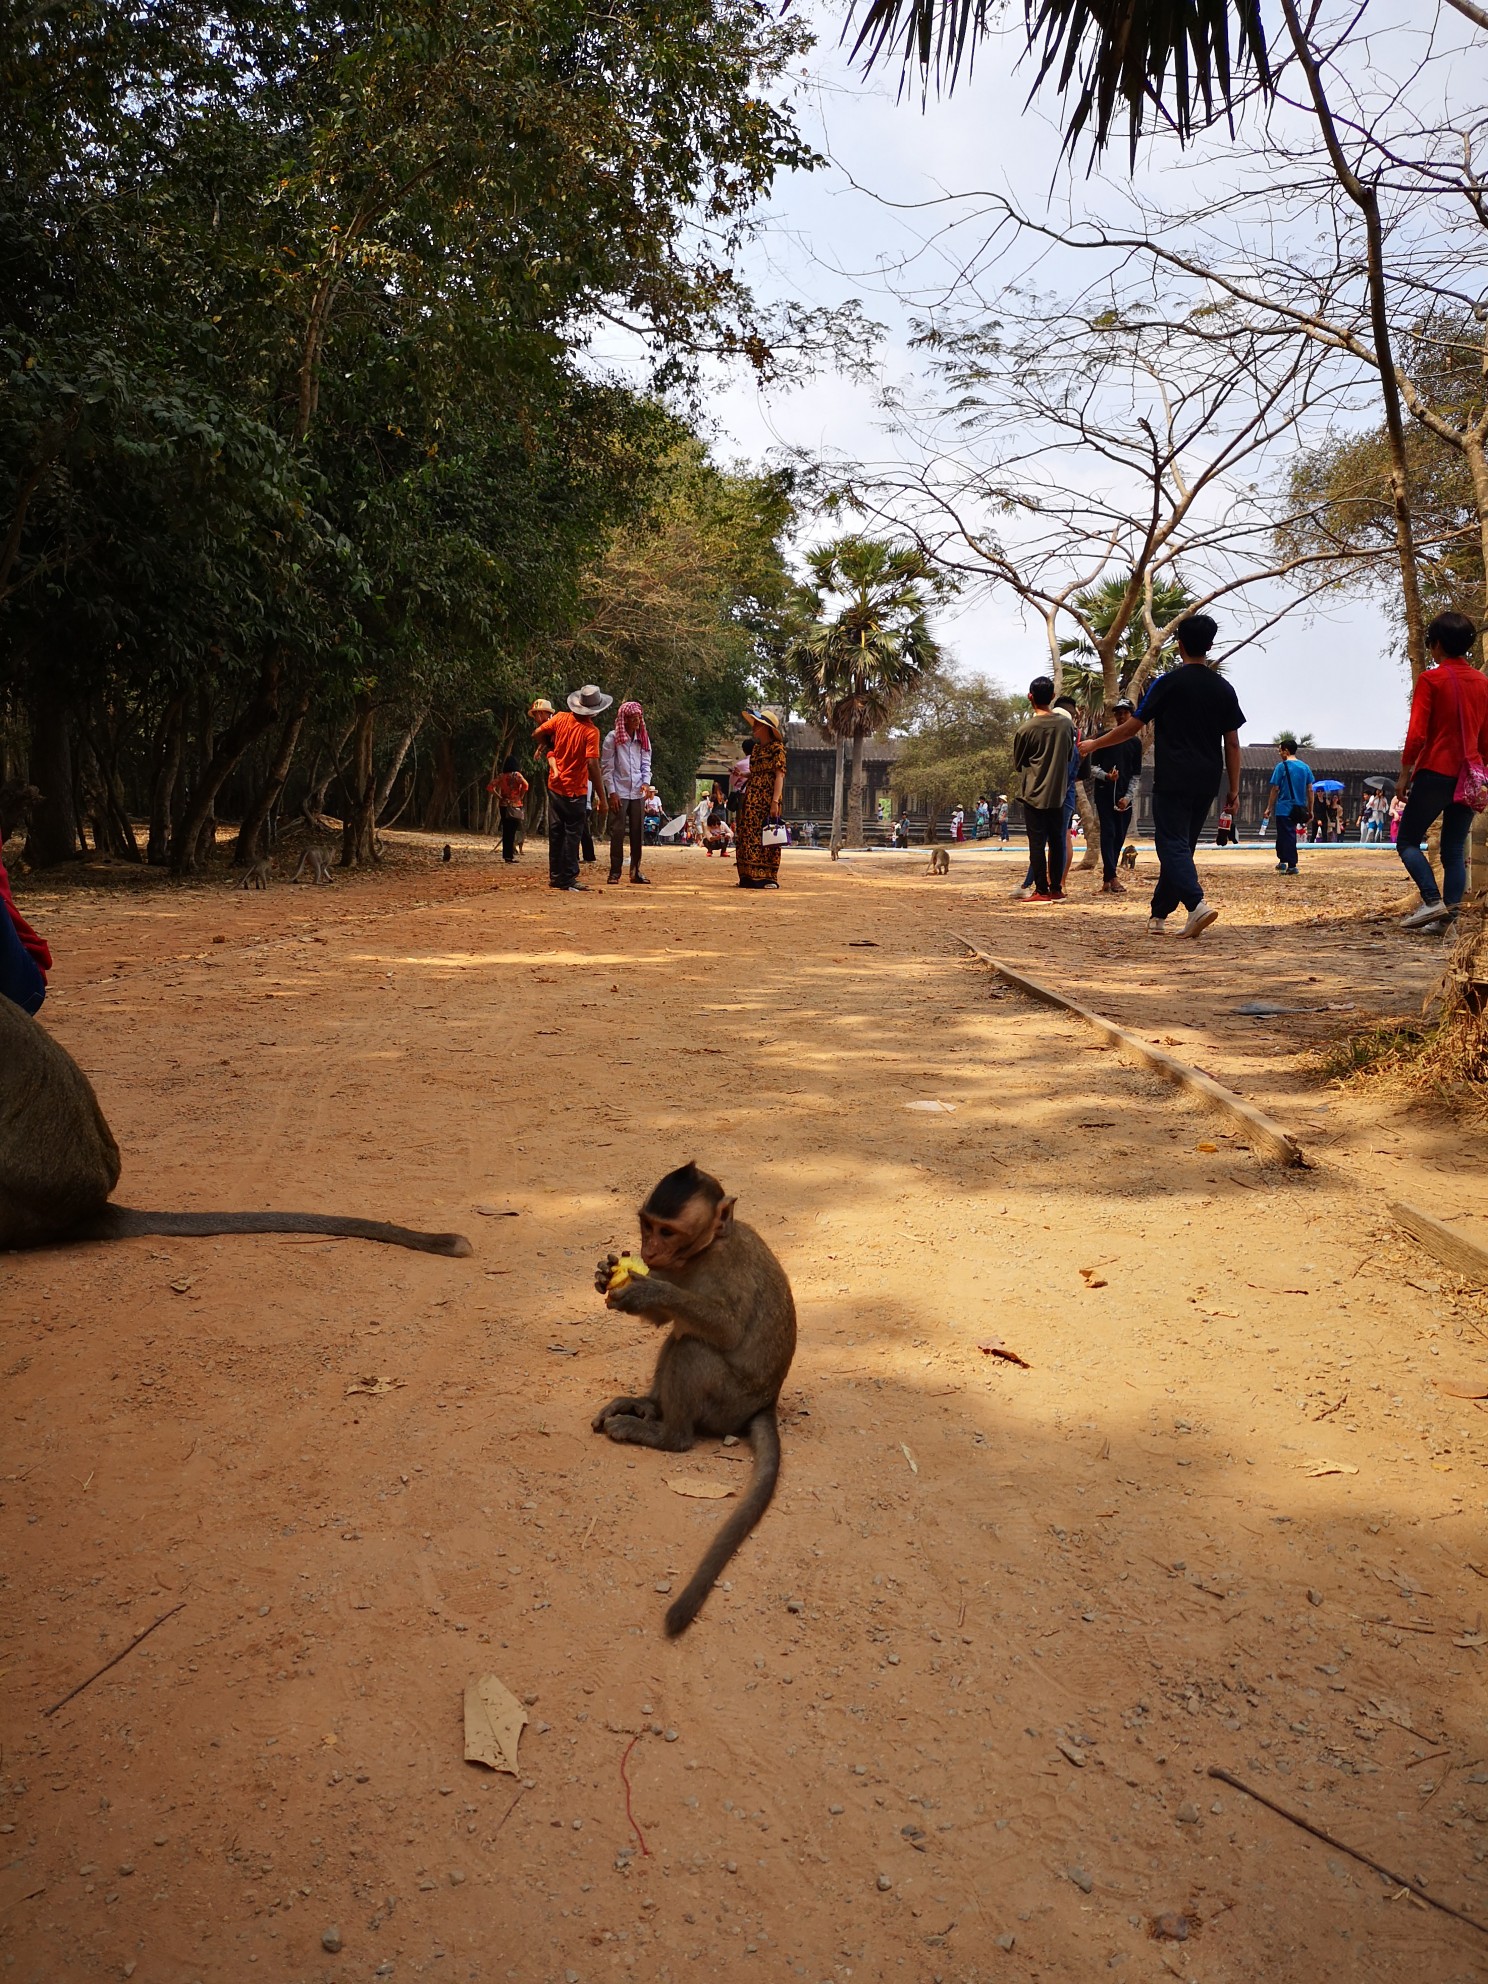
1026 893
1424 917
1156 927
1199 919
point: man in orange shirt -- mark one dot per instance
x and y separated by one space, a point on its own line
1448 730
571 746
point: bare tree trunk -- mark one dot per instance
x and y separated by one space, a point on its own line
163 786
445 797
53 833
247 849
357 845
836 840
855 793
190 841
390 776
1090 821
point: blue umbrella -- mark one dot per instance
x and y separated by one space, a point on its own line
1327 785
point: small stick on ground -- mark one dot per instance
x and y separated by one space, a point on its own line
510 1809
1399 1880
625 1780
99 1671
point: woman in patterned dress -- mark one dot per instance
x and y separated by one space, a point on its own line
759 866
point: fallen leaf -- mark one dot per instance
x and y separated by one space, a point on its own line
862 943
1469 1390
494 1719
933 1108
914 1466
1206 1146
697 1486
181 1283
1320 1467
995 1347
1096 1281
494 1212
330 1741
372 1387
1472 1639
1070 1753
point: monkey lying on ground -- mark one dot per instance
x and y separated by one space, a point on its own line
59 1162
1128 857
257 877
318 862
733 1334
940 861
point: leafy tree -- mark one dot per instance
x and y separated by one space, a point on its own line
957 743
1293 742
1100 606
867 646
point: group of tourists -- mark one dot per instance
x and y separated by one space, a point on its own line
592 777
1196 719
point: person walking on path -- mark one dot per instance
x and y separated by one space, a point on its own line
626 764
25 958
759 866
1196 718
570 743
1290 798
1442 768
1042 747
1112 773
511 797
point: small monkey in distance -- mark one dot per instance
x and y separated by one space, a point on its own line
257 877
318 862
733 1334
940 861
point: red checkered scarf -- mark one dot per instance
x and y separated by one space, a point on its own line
622 728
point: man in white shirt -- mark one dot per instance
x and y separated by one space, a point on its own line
625 761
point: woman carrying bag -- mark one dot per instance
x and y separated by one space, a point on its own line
760 832
1443 775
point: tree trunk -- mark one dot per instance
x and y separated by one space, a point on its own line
445 796
357 845
1090 821
855 793
163 785
189 844
390 776
247 849
836 840
53 833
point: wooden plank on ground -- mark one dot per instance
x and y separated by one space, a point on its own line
1451 1249
1270 1139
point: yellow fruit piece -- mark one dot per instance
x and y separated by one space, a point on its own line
625 1269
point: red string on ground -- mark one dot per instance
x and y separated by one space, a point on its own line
626 1782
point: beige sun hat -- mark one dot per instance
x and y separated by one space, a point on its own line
771 719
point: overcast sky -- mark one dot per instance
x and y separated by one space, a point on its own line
844 232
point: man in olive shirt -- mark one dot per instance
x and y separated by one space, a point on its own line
1196 718
1042 748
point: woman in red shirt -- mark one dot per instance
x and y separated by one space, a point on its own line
1448 727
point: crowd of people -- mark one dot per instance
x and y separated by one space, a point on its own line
1195 718
588 777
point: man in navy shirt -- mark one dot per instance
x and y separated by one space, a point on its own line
1196 718
1291 796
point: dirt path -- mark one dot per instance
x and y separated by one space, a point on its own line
950 1716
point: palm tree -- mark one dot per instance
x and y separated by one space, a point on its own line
1126 51
866 648
1100 605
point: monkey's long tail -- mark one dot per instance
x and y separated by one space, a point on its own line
764 1438
123 1223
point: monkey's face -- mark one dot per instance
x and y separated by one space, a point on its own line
668 1244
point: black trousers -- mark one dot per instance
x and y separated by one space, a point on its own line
626 813
1177 821
511 827
565 825
1114 827
1046 845
586 833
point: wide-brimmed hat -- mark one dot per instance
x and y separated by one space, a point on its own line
540 706
769 718
590 700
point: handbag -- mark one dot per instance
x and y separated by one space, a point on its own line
777 835
1472 780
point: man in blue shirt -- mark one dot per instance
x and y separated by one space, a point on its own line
1196 718
1291 798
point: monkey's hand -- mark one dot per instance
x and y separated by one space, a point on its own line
638 1296
602 1272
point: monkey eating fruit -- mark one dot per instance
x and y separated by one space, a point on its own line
940 861
59 1162
732 1337
625 1266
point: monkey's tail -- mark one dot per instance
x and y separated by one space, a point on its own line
123 1223
764 1438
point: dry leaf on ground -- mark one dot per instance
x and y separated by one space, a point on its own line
697 1486
493 1724
993 1346
1472 1389
928 1108
1320 1467
372 1387
914 1466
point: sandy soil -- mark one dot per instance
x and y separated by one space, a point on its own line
951 1715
